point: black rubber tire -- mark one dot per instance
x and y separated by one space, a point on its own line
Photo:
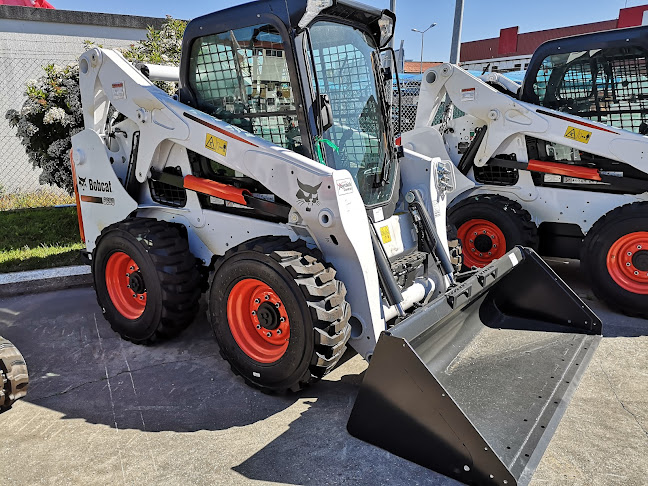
168 269
314 301
509 216
14 378
596 246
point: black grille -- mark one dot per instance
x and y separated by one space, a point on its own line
167 194
499 176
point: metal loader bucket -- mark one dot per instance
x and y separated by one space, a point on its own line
474 384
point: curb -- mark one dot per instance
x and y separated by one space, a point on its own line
38 281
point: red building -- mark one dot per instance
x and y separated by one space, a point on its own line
511 51
27 3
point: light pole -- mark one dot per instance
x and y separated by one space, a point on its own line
455 50
422 32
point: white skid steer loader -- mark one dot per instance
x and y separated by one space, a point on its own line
533 176
273 182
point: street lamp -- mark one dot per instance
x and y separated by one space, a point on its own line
422 32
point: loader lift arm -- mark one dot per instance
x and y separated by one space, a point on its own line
506 118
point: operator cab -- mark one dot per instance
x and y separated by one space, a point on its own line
601 76
305 75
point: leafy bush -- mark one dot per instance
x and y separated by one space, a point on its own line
52 112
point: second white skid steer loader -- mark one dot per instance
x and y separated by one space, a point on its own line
274 183
543 171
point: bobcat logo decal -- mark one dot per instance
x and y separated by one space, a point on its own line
308 195
83 181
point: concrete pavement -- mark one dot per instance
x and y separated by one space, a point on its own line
104 411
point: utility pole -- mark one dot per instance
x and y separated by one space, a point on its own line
455 50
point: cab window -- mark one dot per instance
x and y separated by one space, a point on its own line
606 85
241 77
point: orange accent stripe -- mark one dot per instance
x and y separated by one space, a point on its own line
576 122
92 199
216 189
219 130
76 195
564 169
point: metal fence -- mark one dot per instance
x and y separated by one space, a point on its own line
22 57
19 180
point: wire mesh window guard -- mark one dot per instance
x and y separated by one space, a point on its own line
605 85
241 77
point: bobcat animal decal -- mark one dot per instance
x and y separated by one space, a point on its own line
82 182
308 195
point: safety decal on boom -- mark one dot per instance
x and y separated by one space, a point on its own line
577 134
385 235
216 144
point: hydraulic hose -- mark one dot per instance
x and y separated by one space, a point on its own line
417 204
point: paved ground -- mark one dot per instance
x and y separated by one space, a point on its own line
103 411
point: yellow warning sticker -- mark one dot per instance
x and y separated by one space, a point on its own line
577 134
385 234
215 144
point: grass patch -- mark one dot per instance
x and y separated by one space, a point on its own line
35 199
39 238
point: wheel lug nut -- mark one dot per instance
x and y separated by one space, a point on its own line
267 297
254 313
278 331
257 301
128 286
128 274
629 253
269 334
141 297
132 268
134 296
283 319
277 305
628 264
637 272
258 326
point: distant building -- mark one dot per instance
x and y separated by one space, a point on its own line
414 67
512 51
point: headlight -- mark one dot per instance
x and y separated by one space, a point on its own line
313 8
386 25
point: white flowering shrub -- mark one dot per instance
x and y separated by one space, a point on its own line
51 115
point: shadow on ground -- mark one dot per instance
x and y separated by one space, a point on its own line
78 366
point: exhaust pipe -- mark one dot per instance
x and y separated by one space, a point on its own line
474 384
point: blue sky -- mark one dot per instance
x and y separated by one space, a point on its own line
482 18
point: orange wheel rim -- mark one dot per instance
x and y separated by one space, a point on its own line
258 321
627 262
482 242
125 285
